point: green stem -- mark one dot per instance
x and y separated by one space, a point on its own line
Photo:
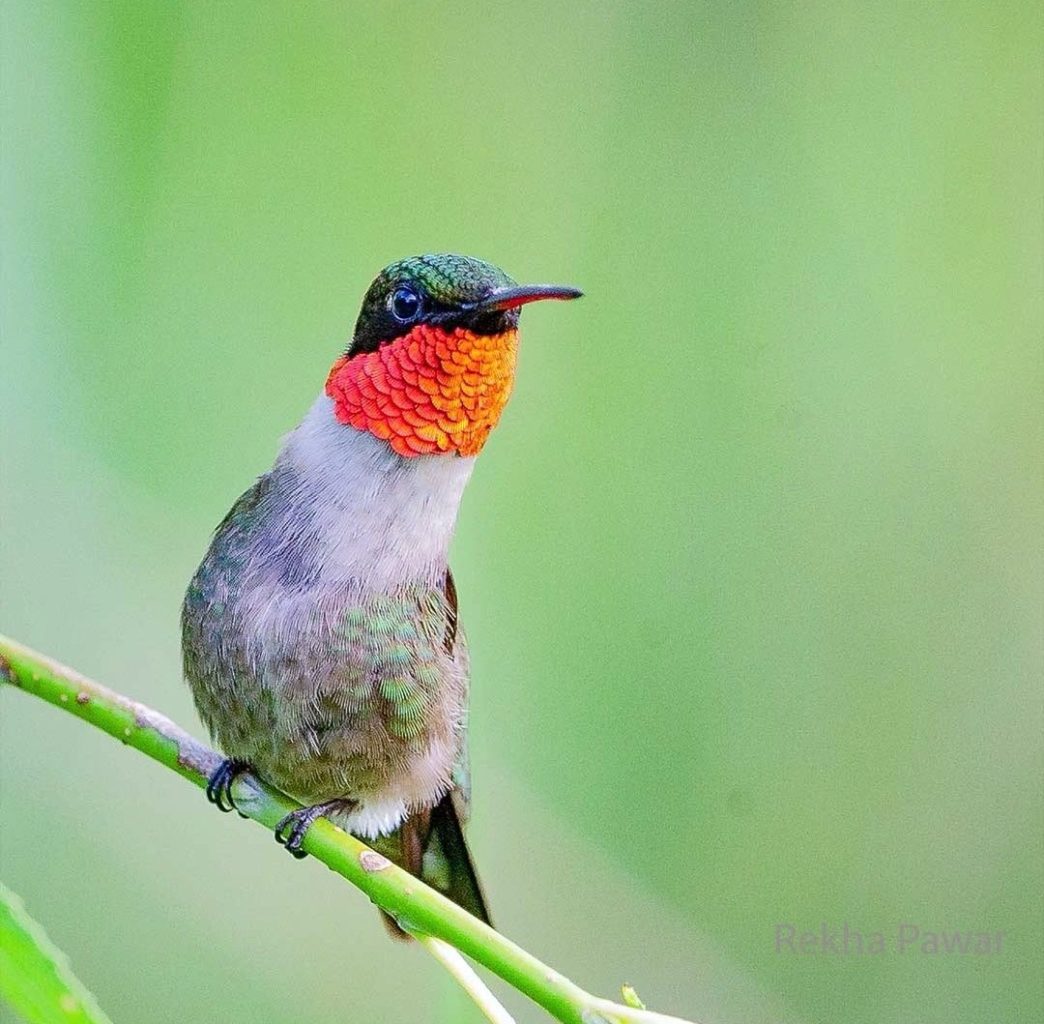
418 907
466 977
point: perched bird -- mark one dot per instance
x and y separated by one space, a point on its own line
320 634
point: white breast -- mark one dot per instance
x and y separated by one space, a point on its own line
380 519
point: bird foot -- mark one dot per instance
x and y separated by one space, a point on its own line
219 785
291 830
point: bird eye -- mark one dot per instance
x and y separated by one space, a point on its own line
405 304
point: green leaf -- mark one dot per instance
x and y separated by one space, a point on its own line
35 977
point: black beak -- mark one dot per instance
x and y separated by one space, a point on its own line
510 298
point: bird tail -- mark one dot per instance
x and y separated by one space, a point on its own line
434 849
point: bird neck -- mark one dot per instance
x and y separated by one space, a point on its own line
374 517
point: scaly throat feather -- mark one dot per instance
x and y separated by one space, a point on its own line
430 391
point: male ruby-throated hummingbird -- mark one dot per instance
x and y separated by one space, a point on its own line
320 633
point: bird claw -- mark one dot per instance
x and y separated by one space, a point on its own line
219 785
291 830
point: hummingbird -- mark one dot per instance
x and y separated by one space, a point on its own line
320 634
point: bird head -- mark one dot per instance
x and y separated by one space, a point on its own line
432 360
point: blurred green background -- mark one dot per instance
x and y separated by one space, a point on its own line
752 569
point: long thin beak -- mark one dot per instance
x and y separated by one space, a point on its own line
509 298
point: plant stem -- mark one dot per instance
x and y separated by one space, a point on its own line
468 980
418 908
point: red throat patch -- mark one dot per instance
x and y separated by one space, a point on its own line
429 391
